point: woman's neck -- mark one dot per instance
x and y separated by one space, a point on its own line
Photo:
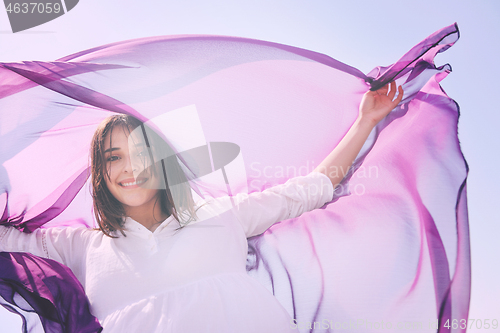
150 216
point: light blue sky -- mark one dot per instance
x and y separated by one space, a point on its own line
361 33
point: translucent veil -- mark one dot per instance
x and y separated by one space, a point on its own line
241 115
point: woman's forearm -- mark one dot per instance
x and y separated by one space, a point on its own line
338 162
374 106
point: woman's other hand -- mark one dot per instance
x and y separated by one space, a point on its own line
375 105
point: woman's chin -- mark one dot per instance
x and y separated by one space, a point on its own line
139 199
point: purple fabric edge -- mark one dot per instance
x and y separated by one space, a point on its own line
415 53
316 56
40 292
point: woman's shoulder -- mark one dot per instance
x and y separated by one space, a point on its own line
209 207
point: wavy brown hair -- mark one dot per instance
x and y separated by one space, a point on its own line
108 211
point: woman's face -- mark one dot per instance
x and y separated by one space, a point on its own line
125 163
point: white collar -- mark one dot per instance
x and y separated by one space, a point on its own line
132 226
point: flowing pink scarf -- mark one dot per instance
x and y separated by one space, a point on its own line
390 250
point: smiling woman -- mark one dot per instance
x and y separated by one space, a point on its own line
175 276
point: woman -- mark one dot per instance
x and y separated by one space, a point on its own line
161 263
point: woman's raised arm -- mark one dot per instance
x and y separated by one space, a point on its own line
374 106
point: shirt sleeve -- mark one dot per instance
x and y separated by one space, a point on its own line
65 245
259 211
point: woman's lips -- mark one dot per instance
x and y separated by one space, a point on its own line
132 183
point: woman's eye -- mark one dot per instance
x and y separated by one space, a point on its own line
112 158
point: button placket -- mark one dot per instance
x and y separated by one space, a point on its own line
154 245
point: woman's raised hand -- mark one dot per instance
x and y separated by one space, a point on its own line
375 105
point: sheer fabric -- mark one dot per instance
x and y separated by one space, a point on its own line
391 248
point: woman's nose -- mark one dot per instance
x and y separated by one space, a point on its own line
130 166
135 164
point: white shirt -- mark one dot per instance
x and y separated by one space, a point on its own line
190 280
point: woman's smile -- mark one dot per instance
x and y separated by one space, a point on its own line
132 183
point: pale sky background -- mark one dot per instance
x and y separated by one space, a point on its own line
361 33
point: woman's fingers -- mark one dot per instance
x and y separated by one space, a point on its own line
383 90
392 93
400 96
389 93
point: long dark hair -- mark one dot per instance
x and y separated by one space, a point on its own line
108 211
